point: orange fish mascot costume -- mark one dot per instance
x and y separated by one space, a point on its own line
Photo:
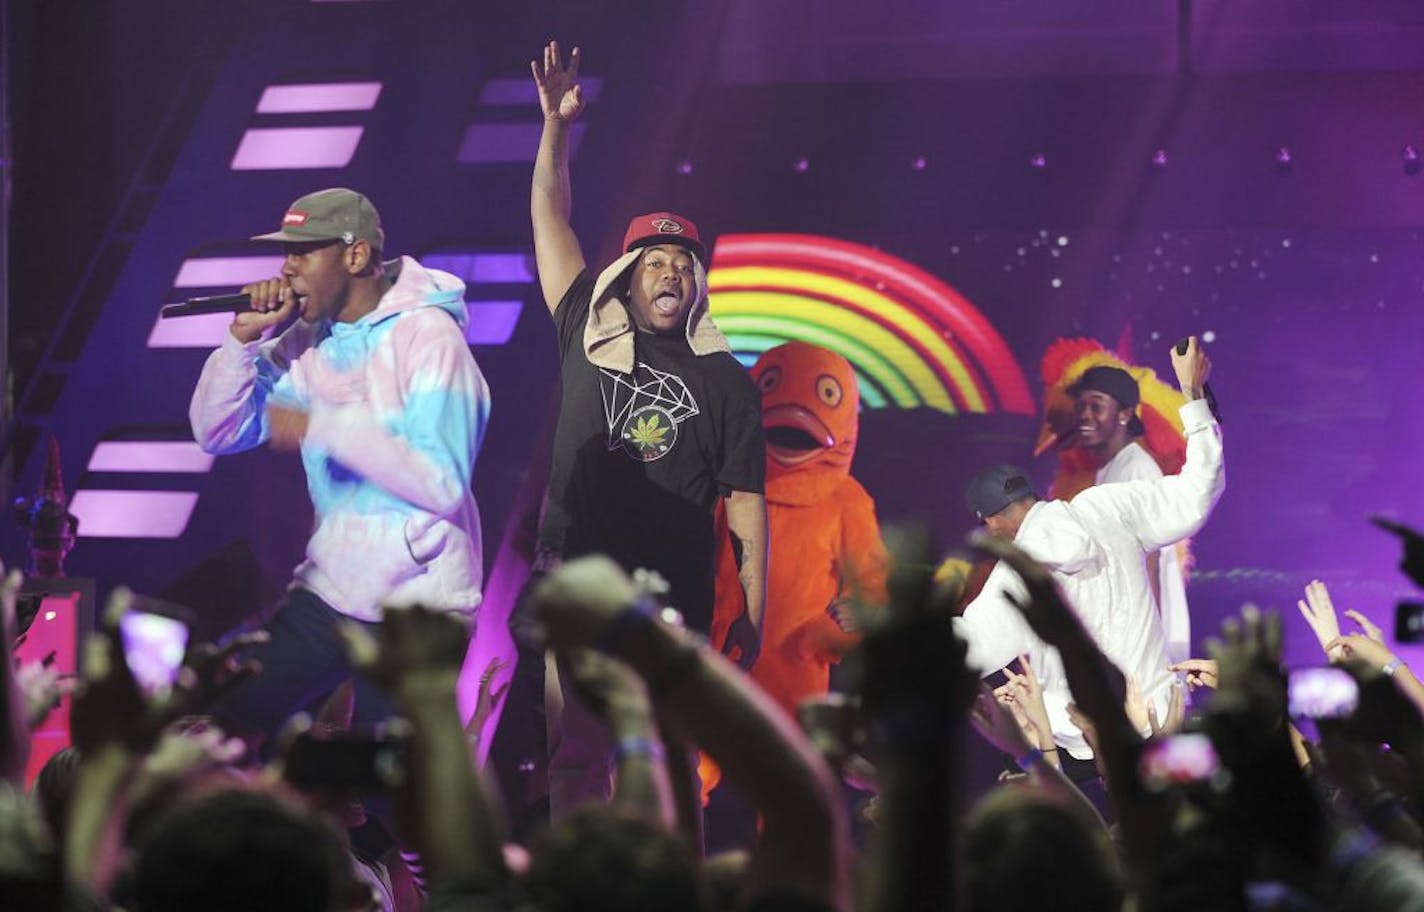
825 541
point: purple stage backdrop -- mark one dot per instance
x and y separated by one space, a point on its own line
1134 177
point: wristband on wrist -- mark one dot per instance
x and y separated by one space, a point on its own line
651 748
1029 759
638 615
1391 667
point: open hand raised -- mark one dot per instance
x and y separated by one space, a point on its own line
559 94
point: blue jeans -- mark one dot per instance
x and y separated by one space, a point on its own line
303 662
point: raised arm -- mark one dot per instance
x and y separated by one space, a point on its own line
556 250
1166 510
416 655
228 408
619 697
803 840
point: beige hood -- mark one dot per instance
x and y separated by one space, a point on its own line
608 335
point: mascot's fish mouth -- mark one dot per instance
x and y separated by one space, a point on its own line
794 435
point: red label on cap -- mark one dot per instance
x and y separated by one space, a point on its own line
294 217
667 226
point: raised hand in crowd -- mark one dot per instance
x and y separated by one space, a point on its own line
15 721
1368 646
1022 694
1368 627
617 695
1144 717
1318 609
113 726
490 695
835 724
800 855
918 688
416 655
1200 673
1274 810
1000 726
487 700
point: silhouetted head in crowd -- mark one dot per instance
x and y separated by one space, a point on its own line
1024 850
606 859
725 876
53 787
242 850
29 864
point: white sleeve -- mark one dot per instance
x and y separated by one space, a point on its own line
1166 510
992 627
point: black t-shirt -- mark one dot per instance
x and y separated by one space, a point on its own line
640 459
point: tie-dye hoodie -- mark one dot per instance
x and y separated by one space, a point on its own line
397 410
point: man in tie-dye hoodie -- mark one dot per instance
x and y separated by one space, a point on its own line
376 386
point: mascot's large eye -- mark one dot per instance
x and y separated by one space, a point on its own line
828 390
769 379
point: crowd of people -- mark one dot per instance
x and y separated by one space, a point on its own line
322 763
1227 806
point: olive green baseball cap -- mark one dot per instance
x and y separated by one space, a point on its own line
335 214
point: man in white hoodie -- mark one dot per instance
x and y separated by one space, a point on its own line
376 386
1096 545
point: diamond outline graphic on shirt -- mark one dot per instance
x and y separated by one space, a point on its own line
664 390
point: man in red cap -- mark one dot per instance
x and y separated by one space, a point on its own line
658 421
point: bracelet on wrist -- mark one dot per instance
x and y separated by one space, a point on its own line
1029 759
1391 667
637 616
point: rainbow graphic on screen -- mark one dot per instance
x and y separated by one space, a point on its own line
913 340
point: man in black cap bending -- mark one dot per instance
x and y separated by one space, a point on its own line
1096 546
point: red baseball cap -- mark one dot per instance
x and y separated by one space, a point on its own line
664 228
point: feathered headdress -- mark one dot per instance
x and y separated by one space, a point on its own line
1063 363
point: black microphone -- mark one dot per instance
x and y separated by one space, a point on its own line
1182 345
228 303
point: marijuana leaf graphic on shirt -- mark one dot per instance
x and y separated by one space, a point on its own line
648 432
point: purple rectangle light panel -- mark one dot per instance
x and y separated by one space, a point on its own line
507 143
318 97
522 91
296 148
492 322
132 514
485 268
202 331
219 272
149 456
